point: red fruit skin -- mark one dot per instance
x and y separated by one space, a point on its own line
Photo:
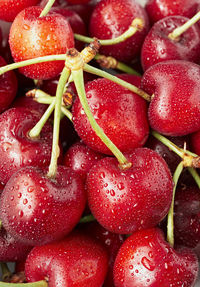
195 142
40 36
10 8
175 108
27 102
146 260
120 113
17 149
158 9
77 260
158 47
78 1
8 87
110 19
36 209
124 201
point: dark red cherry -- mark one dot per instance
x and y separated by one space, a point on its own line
17 149
10 8
40 36
175 105
158 9
195 142
124 201
147 260
37 209
78 1
158 47
80 158
110 19
120 113
29 103
77 260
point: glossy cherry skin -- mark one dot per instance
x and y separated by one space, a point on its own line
120 113
17 149
110 19
29 103
31 198
147 260
40 36
195 142
175 107
77 260
158 9
124 201
158 47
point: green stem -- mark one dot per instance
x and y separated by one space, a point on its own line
195 175
110 77
67 113
79 83
25 63
136 25
47 8
56 127
170 219
35 131
5 271
33 284
87 218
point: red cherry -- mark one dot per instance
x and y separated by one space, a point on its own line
28 102
124 201
78 261
195 142
78 1
145 259
40 36
110 19
119 112
36 209
158 47
10 8
175 106
158 9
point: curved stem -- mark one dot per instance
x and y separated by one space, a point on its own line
79 83
56 127
170 219
47 8
87 218
33 284
195 175
103 74
67 113
49 58
180 30
136 25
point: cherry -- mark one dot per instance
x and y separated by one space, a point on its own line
78 1
40 36
195 142
175 106
77 260
9 8
28 102
124 201
158 9
119 112
110 19
145 259
31 198
80 158
159 47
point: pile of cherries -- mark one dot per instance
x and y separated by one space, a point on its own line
100 143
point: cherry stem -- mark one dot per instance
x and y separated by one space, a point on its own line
103 74
49 58
79 83
112 63
33 284
195 175
170 218
56 126
87 218
180 30
47 8
136 25
5 271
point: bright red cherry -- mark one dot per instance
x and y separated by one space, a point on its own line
110 19
146 260
158 9
124 201
120 113
77 260
195 142
36 209
32 36
175 105
158 47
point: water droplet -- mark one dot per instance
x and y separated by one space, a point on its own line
148 264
